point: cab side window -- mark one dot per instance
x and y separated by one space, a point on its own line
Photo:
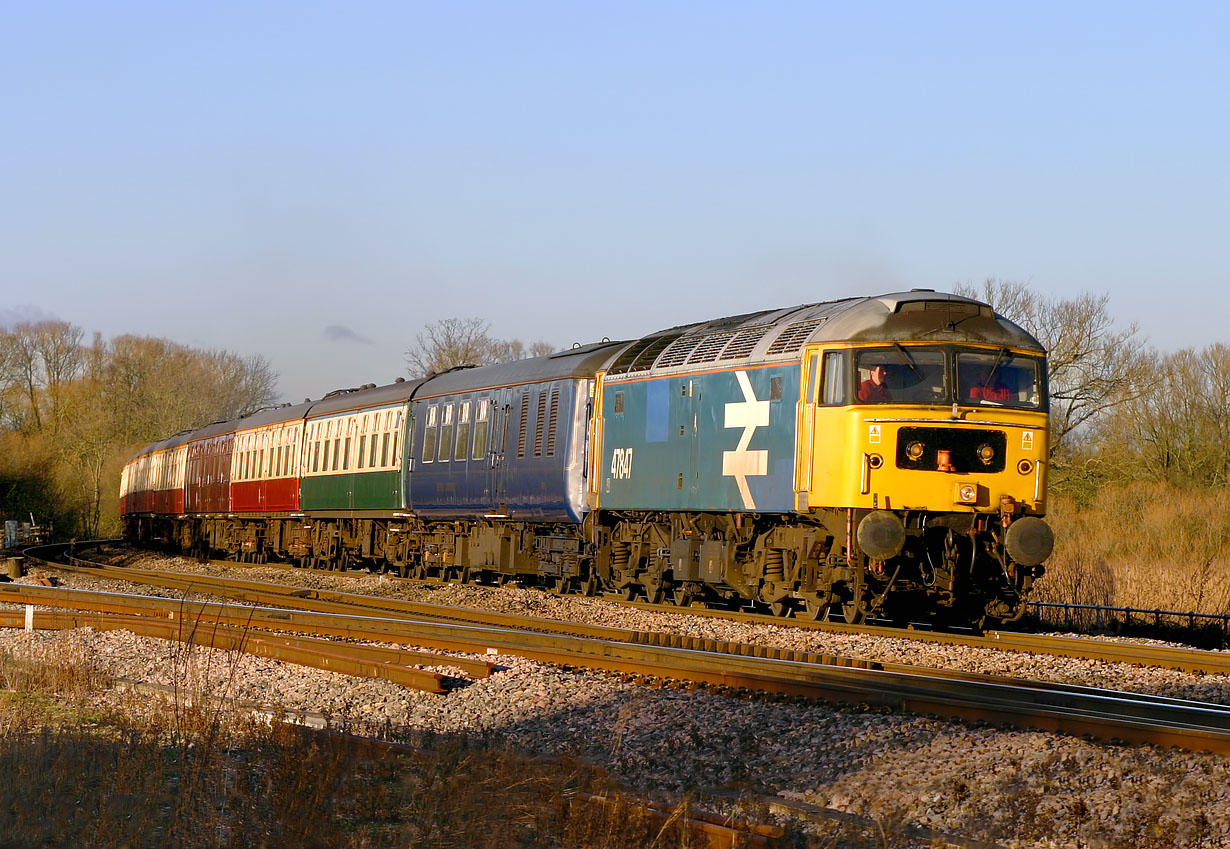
835 379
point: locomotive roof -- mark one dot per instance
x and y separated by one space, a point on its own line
780 335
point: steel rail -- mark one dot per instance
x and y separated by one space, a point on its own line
345 658
1073 710
50 620
332 601
1134 653
1137 654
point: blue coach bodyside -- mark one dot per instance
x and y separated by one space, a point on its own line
507 440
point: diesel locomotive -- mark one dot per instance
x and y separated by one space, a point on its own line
872 457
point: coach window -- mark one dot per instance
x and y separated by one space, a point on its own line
446 432
429 436
482 414
463 431
834 390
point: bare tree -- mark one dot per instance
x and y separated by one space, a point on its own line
157 387
36 362
1093 367
452 342
1177 426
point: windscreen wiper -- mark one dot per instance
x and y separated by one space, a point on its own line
907 359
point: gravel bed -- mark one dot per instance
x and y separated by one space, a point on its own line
1017 788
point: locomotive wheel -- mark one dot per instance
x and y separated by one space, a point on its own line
851 611
812 610
781 608
628 592
682 597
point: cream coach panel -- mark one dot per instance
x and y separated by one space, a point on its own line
352 442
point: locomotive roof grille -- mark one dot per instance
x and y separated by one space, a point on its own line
709 348
792 338
741 346
677 353
640 357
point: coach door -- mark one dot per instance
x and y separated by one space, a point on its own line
501 412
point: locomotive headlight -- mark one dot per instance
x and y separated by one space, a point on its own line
915 450
986 454
966 493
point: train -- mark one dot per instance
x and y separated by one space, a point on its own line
870 458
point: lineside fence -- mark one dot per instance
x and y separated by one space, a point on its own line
1206 630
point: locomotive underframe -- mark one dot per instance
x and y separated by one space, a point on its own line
952 568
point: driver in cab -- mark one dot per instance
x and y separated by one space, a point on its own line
874 389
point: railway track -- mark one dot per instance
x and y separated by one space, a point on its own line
1057 707
1133 653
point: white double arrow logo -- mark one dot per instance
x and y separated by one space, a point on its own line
748 414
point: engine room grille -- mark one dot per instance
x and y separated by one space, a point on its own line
677 353
707 351
793 337
641 355
741 346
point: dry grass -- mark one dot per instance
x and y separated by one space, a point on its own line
1148 546
79 768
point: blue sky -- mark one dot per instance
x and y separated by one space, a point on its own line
314 182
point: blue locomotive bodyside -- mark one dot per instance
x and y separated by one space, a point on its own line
711 441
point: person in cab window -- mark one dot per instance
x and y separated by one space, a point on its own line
873 389
989 387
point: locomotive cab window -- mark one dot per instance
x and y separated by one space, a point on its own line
998 378
901 375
